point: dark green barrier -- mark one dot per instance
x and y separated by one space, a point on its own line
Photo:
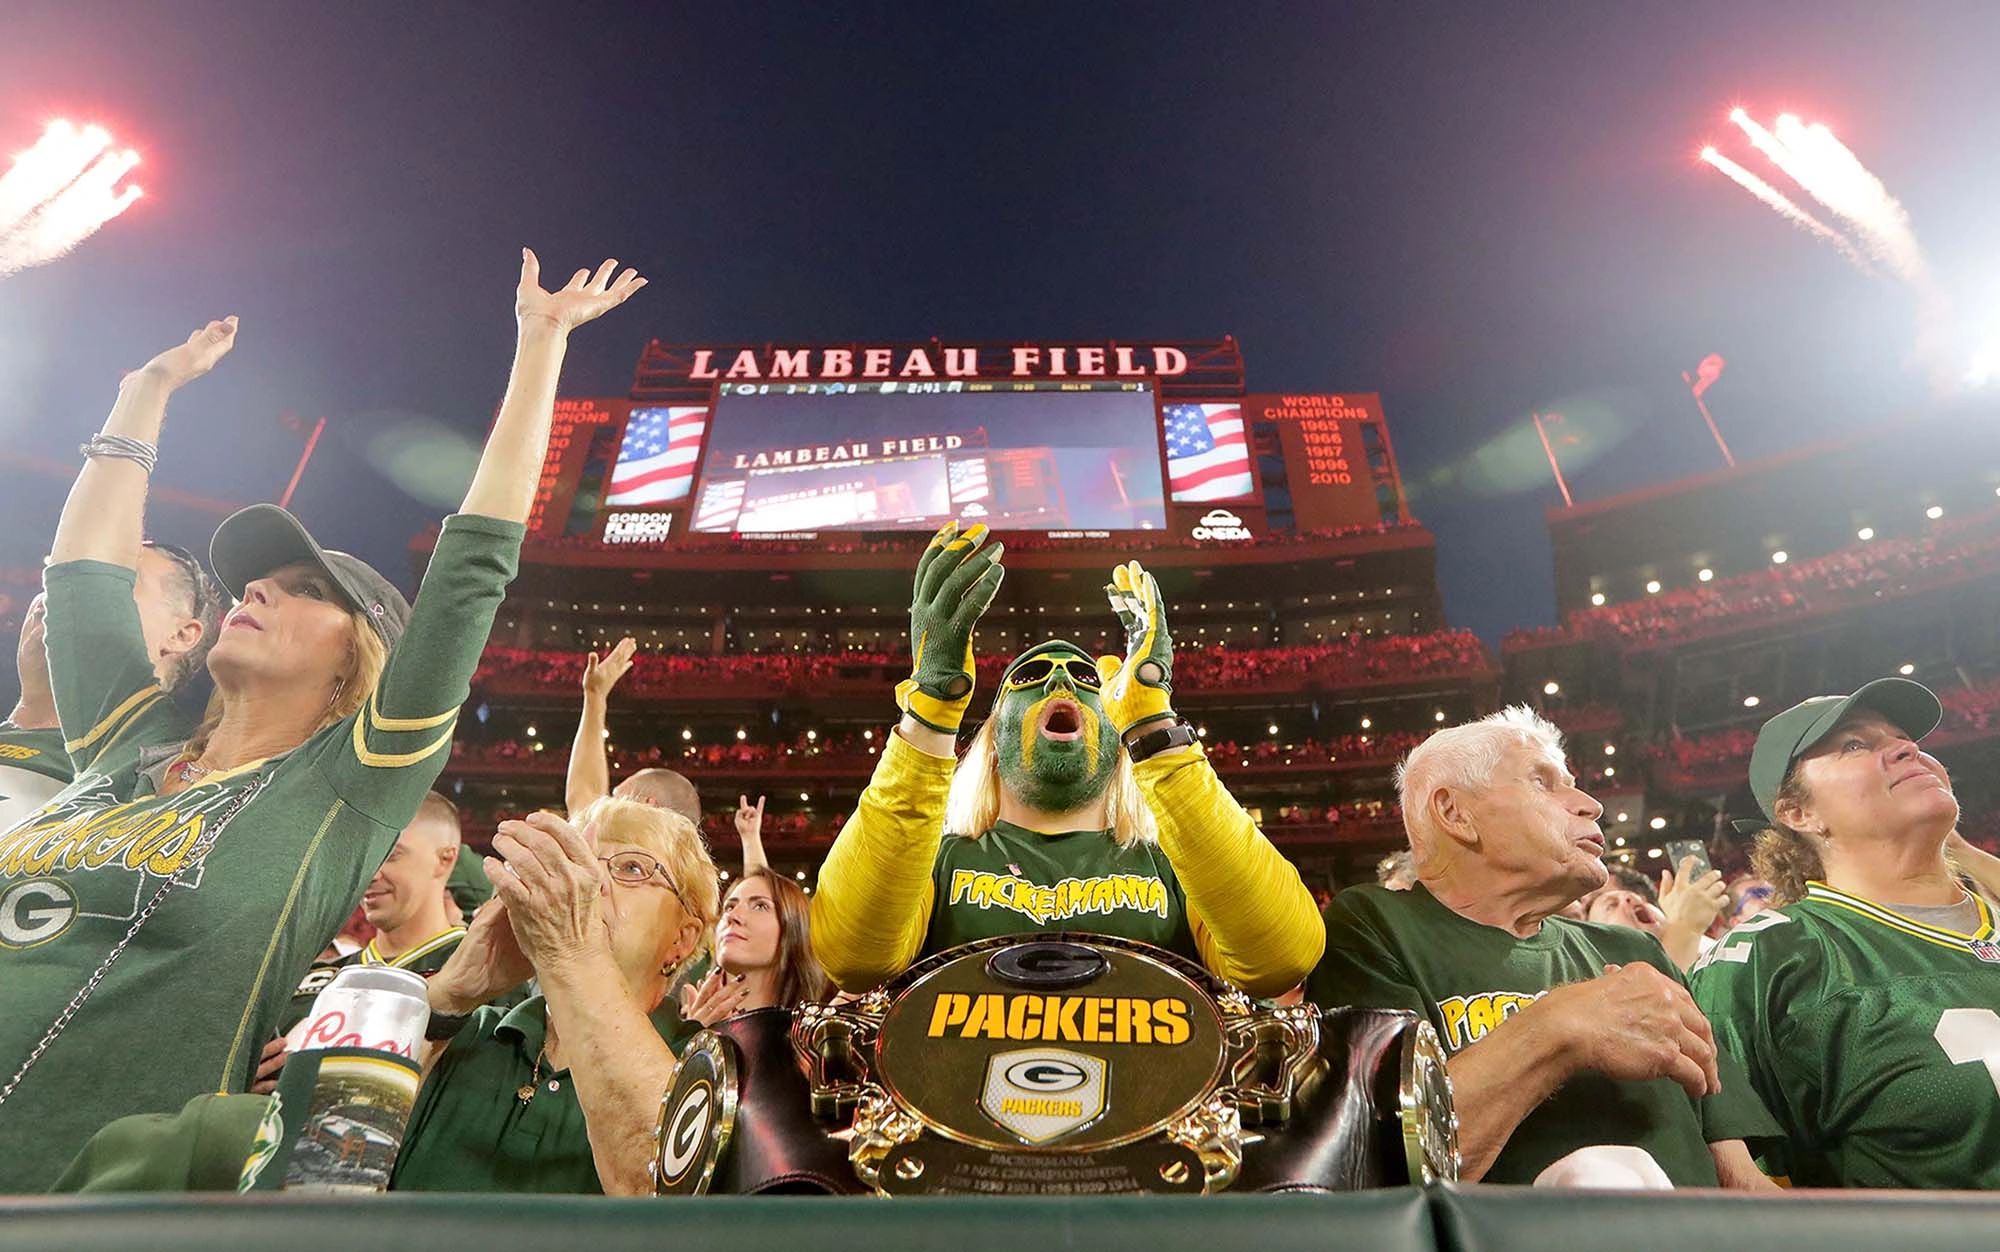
1381 1221
1519 1219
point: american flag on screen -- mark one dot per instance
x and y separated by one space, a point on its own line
720 504
968 480
1208 457
656 461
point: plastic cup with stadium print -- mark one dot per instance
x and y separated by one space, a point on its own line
337 1119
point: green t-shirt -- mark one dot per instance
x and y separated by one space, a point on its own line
1874 1040
470 1131
1406 950
1013 881
33 767
192 917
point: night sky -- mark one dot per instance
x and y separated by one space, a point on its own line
1476 210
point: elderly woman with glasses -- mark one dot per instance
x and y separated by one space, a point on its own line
560 1093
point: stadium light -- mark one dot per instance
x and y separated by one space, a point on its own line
538 745
1551 687
687 733
1624 817
1654 852
1658 823
800 875
805 795
529 732
1906 669
1705 574
1611 749
1201 732
741 734
1780 557
1366 723
1751 702
1611 771
1273 728
1619 842
607 732
867 734
812 736
1652 586
1865 533
1438 716
1934 512
1597 599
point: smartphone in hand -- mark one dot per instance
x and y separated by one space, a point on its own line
1679 850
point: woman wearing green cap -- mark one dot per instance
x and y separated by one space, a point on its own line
1865 1005
1083 803
170 898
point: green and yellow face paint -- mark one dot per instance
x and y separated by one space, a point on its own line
1056 747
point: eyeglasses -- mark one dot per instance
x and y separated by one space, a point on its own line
1034 672
634 869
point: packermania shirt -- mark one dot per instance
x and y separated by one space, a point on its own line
149 943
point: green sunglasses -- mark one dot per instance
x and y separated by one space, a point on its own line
1035 671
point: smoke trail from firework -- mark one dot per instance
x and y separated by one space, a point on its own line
59 193
1786 208
1834 176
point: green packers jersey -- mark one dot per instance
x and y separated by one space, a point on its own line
33 767
1013 881
426 958
1874 1039
178 925
1406 950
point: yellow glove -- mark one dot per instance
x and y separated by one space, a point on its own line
1139 688
956 580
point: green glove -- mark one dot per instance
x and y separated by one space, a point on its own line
1138 689
956 580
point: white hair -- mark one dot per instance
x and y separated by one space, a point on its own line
1466 757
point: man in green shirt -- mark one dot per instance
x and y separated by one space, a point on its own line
1577 1056
180 609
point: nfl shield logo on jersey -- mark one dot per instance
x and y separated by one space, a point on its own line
1986 950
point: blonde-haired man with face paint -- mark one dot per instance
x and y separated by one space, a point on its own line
1083 804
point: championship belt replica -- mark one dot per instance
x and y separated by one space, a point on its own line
1061 1064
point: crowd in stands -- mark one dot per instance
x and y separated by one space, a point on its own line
1720 758
1948 552
1353 659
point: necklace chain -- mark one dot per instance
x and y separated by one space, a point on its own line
526 1091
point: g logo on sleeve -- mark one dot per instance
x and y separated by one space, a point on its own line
35 912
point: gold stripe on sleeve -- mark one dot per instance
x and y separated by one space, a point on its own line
395 760
132 704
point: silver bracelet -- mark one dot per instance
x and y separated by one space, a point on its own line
119 447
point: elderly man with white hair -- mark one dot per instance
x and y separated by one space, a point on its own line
1577 1056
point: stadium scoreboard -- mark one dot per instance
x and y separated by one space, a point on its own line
728 444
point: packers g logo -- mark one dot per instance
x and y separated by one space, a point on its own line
1042 1094
35 912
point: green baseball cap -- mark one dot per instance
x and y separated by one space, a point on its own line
252 542
1791 734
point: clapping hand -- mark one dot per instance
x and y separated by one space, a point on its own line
601 674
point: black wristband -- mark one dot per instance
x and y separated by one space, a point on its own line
444 1026
1165 738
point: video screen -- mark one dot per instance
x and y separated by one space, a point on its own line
792 457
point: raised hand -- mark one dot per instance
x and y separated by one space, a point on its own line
749 819
714 998
1689 900
957 578
1139 687
584 298
183 363
600 675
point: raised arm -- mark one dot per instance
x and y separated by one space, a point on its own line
105 515
504 485
1253 918
589 771
872 909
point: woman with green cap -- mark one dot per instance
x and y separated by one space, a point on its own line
1865 1005
176 891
